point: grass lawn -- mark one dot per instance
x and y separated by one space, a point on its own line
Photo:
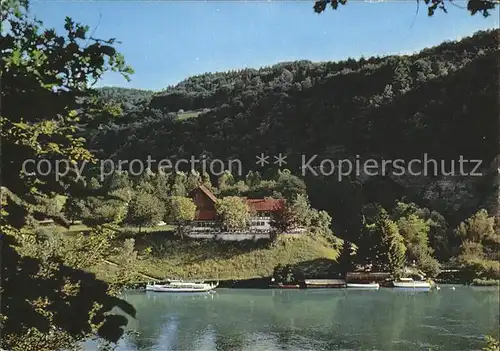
61 200
77 228
187 115
219 260
207 259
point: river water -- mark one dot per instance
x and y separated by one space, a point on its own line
329 319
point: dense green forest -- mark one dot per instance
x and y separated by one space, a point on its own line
396 107
382 107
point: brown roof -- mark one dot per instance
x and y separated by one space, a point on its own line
207 192
261 205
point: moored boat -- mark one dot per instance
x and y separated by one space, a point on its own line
154 284
409 283
374 286
284 286
177 286
324 283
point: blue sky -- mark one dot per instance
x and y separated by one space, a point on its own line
168 41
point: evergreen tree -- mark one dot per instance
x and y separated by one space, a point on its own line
205 179
394 246
118 180
226 180
253 179
161 185
178 184
193 181
145 183
74 209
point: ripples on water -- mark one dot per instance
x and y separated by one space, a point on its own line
333 319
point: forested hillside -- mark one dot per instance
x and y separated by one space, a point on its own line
442 101
398 106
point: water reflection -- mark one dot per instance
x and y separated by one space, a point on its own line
313 319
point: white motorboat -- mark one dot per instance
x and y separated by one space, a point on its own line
409 283
374 286
152 286
179 286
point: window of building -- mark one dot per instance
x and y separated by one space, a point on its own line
258 223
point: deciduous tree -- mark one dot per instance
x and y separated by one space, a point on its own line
296 213
145 210
484 7
415 232
289 185
233 212
181 211
480 241
126 260
48 301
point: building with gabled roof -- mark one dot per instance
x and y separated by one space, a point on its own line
206 215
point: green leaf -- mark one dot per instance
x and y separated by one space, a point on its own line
16 57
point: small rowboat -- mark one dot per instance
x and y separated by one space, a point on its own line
374 286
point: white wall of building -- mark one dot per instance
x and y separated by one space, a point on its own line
260 223
204 226
231 236
256 224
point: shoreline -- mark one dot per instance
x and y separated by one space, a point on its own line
265 283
